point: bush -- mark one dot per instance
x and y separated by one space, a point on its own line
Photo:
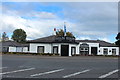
23 53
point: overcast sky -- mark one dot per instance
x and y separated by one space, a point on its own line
86 20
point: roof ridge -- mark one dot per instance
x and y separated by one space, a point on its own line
44 37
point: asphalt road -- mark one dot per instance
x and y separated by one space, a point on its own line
28 66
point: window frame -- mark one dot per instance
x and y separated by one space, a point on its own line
114 51
74 50
54 48
17 49
42 47
105 50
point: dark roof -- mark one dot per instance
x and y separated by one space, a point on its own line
106 44
89 41
101 42
50 39
13 43
43 40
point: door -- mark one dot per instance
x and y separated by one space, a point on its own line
94 50
64 50
73 50
84 49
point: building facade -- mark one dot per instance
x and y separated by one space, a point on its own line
12 46
68 46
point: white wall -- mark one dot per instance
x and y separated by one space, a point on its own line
33 47
12 49
20 49
90 45
109 48
72 45
49 47
25 49
59 47
93 45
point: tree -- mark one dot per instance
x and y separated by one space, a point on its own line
118 36
19 35
62 33
118 39
4 37
69 34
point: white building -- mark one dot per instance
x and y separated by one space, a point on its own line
68 46
11 46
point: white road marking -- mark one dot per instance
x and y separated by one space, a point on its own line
76 73
108 74
3 67
17 71
46 72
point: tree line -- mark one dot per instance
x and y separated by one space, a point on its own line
19 35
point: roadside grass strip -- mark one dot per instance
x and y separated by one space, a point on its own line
17 71
49 72
76 73
108 74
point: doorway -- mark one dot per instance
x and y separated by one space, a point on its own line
84 49
64 50
94 50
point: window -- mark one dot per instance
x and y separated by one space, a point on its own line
105 51
84 51
113 51
55 49
5 49
40 49
73 50
28 48
19 49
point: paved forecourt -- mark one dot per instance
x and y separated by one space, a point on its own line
24 66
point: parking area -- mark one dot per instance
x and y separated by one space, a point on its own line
24 66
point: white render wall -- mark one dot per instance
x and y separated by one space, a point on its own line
59 47
72 45
14 49
25 49
47 47
109 48
90 45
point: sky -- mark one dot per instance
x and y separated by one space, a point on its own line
86 20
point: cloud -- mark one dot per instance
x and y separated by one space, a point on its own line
84 20
105 39
34 28
42 15
83 38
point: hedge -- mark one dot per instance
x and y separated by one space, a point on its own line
23 53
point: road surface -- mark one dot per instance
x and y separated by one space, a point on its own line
29 66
